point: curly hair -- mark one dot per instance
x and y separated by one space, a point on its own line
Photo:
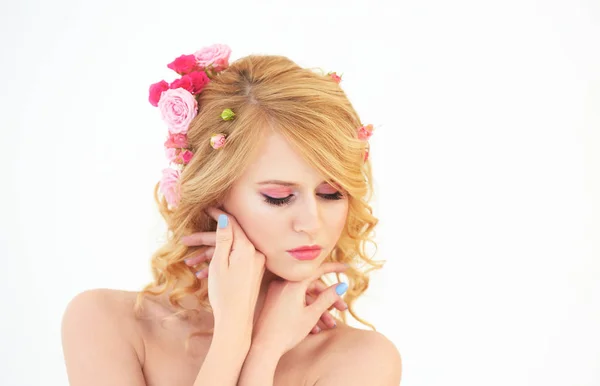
311 111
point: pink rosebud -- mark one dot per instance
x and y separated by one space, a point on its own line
169 187
176 141
183 64
171 154
336 77
186 156
366 155
156 90
199 79
217 141
178 107
184 82
215 56
365 132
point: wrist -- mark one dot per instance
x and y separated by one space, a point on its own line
266 350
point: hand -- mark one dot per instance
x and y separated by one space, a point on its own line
234 275
208 240
285 319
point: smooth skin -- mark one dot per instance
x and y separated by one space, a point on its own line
265 303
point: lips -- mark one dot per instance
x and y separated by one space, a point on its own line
307 252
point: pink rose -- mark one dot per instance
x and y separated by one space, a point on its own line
171 154
183 64
156 90
216 55
169 187
176 141
178 107
193 82
365 132
184 82
199 79
217 141
185 156
366 155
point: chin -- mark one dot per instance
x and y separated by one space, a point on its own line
291 269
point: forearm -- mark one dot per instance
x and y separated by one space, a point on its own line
224 361
259 368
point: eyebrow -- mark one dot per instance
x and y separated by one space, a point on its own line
283 183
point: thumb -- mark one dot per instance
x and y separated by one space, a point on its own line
326 299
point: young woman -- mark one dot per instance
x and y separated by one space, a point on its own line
269 195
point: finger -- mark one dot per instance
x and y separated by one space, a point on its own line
323 323
203 273
324 269
326 300
199 238
224 242
317 286
203 256
239 237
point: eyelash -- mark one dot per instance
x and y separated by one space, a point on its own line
286 200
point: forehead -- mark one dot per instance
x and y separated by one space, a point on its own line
277 159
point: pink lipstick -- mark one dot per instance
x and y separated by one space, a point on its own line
306 252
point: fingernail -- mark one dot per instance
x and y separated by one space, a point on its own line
222 221
201 274
187 261
317 330
341 288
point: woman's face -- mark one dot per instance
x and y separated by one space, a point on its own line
282 203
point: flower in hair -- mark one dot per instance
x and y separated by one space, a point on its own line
217 141
169 186
183 64
337 78
227 115
364 133
215 57
178 105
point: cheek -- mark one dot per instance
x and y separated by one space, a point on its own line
260 225
335 218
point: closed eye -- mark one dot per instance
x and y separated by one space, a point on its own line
285 200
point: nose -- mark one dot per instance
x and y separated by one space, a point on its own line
307 217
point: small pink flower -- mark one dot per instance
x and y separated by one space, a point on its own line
217 141
169 187
171 154
176 141
156 90
365 132
178 107
199 79
216 56
183 64
335 77
186 156
366 155
184 82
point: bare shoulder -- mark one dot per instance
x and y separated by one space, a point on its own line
359 357
101 344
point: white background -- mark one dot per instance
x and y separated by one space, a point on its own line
487 167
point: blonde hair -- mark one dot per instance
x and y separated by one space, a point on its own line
314 114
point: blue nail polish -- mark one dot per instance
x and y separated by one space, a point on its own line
341 288
222 221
